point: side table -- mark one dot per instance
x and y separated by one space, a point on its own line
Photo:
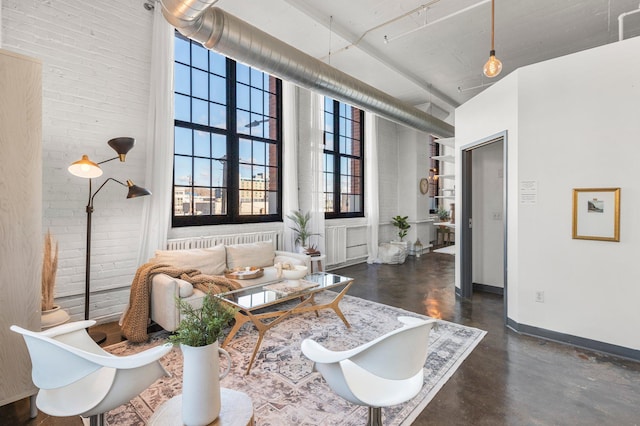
317 260
236 409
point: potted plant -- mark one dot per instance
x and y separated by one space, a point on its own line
301 222
401 223
443 214
198 334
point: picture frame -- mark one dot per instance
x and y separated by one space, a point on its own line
596 214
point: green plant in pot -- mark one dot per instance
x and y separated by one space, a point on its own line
402 224
443 214
301 223
198 334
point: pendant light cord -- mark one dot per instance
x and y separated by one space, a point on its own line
492 23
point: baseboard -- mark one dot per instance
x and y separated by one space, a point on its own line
488 289
581 342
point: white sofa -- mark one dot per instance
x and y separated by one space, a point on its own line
210 261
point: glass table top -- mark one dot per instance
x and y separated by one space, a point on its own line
265 294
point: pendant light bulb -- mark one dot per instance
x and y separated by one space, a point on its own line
493 66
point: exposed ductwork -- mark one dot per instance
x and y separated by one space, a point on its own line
232 37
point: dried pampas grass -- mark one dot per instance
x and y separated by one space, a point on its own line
49 269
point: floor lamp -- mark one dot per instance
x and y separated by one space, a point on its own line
87 169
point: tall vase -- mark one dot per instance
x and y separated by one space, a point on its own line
201 383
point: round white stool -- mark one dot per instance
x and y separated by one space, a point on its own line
317 260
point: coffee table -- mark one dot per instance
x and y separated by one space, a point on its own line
248 300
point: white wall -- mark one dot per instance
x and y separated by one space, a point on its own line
572 123
488 230
96 64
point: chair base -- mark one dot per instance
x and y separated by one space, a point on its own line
375 416
97 420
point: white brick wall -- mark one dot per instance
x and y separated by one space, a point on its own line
95 87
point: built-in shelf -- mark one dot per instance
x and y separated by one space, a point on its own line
446 197
445 158
450 142
445 176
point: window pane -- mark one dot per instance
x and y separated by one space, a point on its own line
328 104
328 202
256 78
259 152
181 50
256 101
242 96
244 151
201 144
182 79
328 163
328 141
219 146
200 110
218 173
328 122
182 170
202 172
257 125
199 56
242 73
182 109
202 201
200 86
217 89
217 63
271 154
218 116
182 141
219 201
272 179
243 122
181 201
271 104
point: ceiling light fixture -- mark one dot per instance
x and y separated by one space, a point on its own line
493 66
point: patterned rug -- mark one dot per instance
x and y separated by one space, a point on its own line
282 385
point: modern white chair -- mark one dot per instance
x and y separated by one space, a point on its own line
384 372
77 377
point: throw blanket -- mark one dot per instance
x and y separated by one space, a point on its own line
136 318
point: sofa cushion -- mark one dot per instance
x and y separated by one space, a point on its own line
258 254
209 261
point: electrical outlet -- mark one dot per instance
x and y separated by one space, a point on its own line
540 296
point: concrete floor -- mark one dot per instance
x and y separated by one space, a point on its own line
507 380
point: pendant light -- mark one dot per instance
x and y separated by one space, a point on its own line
493 66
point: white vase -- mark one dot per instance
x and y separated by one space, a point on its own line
201 383
52 317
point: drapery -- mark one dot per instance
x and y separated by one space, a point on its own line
290 160
371 184
157 208
317 168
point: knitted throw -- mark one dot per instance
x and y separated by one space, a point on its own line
136 319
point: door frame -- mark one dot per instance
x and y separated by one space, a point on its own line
466 222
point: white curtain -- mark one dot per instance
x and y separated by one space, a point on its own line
317 168
290 160
157 207
371 184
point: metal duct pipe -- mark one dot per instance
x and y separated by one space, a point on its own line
232 37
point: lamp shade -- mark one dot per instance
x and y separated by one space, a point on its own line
136 191
85 168
122 146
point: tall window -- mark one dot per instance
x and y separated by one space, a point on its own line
227 146
343 160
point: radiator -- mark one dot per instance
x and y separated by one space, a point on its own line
336 244
213 240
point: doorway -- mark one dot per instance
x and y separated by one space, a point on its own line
483 228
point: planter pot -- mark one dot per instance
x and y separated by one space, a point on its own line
52 317
201 383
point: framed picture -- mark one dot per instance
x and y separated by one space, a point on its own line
596 214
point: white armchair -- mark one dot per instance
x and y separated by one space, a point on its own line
381 373
77 377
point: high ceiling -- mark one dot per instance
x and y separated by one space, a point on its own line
430 53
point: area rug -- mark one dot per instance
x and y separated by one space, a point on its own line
282 384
